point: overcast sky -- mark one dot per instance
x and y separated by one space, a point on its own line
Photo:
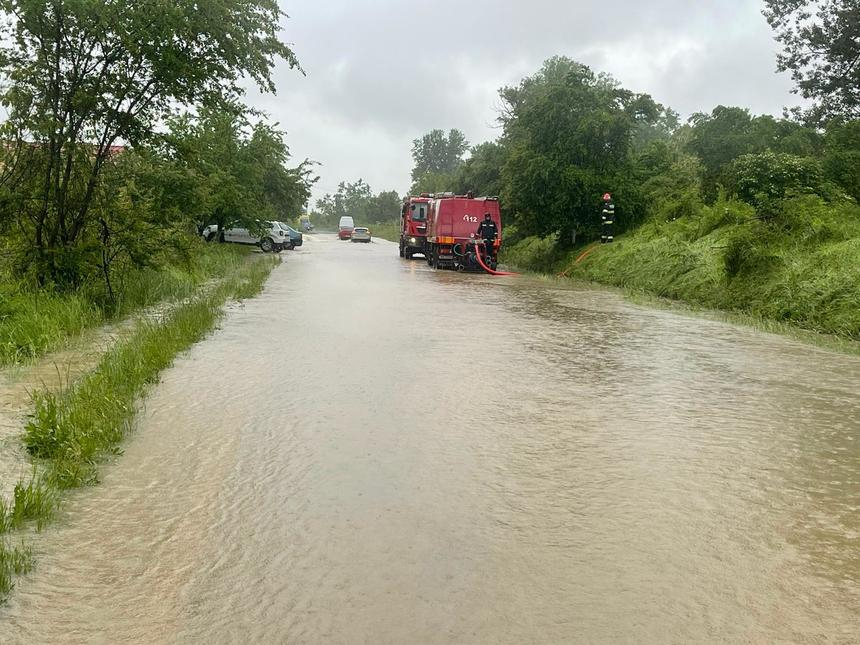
381 73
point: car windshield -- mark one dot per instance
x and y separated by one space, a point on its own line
419 212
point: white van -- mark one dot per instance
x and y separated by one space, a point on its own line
344 228
274 239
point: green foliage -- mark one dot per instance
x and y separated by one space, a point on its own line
33 501
358 201
234 169
481 173
534 253
842 155
434 182
569 133
727 133
82 76
821 48
746 254
756 178
33 321
437 154
802 266
389 230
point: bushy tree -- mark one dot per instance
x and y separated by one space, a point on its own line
357 200
842 155
239 167
756 178
569 136
481 173
727 133
433 182
436 155
83 75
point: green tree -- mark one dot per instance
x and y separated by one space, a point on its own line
718 138
83 75
357 200
238 168
757 178
385 207
821 48
569 136
842 155
433 182
727 133
481 173
438 154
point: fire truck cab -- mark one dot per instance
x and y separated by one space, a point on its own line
413 225
452 226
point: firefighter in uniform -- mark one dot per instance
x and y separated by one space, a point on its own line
607 219
488 232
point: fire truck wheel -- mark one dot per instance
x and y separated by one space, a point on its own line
407 254
401 249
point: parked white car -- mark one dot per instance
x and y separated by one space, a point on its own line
275 238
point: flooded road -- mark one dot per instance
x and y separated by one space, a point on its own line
372 452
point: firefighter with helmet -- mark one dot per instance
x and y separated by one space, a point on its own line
607 219
488 232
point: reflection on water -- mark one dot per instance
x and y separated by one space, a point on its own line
372 452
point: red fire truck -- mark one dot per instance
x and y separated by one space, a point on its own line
413 225
452 225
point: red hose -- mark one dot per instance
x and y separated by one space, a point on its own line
485 267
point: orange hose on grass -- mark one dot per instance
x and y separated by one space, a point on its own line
580 258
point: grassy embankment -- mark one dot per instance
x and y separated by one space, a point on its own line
386 231
797 263
36 321
72 431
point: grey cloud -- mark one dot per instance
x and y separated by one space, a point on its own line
381 73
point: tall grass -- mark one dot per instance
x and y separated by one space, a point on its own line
14 561
534 253
71 432
798 263
36 321
386 230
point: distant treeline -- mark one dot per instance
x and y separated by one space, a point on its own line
569 135
357 200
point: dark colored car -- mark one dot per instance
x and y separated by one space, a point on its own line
296 238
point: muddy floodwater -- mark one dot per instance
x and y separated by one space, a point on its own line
373 452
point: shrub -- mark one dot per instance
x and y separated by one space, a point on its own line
768 175
534 253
